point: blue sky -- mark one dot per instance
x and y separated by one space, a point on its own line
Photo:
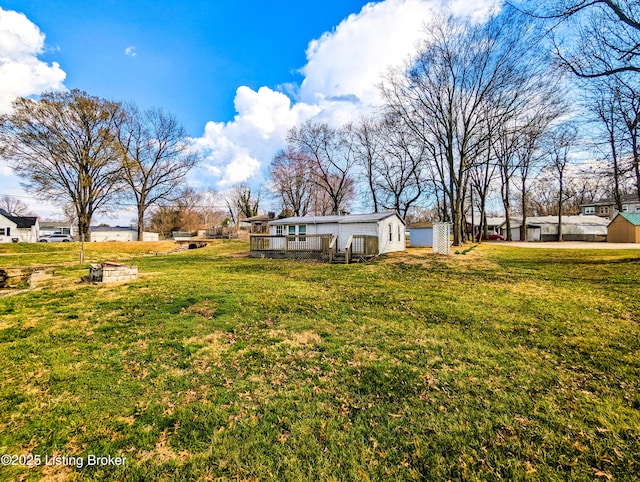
238 75
190 57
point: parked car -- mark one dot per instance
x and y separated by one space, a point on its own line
491 237
56 238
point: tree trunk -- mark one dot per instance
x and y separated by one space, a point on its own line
523 226
507 207
560 208
140 223
84 221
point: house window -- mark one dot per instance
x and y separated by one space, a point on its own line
590 210
279 230
625 208
66 231
637 207
390 232
292 230
2 233
399 234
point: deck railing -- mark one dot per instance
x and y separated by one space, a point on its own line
308 242
320 246
364 245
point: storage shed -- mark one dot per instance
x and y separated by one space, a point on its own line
624 228
421 235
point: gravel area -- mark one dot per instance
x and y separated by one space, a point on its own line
568 245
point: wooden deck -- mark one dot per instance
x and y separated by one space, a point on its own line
323 247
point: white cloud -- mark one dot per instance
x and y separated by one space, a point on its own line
340 77
21 72
131 51
235 151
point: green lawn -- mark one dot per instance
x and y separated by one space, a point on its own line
502 364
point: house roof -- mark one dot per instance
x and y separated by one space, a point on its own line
22 222
626 199
111 228
55 224
258 218
540 220
633 218
566 220
342 219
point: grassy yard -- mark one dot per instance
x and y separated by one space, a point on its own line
502 364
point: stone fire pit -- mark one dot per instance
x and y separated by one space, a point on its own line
109 272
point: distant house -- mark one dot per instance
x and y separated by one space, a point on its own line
15 229
625 228
316 236
119 233
545 228
606 208
421 235
260 223
53 227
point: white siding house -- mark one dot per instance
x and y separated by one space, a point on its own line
118 233
388 227
24 229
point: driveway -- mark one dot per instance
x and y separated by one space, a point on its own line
568 245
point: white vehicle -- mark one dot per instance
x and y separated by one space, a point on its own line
56 238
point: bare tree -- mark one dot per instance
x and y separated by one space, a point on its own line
444 94
401 169
331 156
156 157
64 147
241 202
14 206
561 141
290 176
594 38
179 214
367 139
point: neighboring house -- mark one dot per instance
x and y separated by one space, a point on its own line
15 229
388 227
625 228
606 208
52 227
119 233
421 235
260 223
545 228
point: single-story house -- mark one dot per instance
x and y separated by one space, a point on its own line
119 233
48 228
23 229
260 223
624 228
545 228
388 227
421 235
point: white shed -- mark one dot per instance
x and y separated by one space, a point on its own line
387 226
119 233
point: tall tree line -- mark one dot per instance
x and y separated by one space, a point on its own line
88 152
